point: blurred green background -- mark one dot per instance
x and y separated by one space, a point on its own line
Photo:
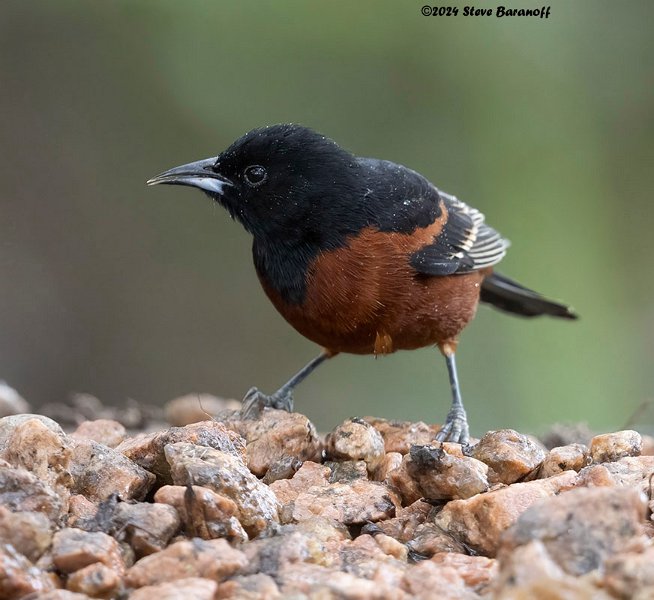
123 291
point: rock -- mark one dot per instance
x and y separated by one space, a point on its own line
402 481
365 557
430 539
354 440
284 468
347 471
146 527
80 510
11 402
453 575
203 513
530 572
392 461
74 549
573 457
442 476
30 533
318 541
148 450
582 527
648 445
194 408
318 582
275 436
96 580
195 588
479 521
632 471
610 447
99 471
310 474
399 436
19 577
248 587
104 431
630 574
227 475
512 456
20 490
352 504
406 522
212 559
62 595
38 447
9 424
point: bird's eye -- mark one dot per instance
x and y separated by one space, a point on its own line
255 175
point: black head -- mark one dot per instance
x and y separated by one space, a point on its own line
281 181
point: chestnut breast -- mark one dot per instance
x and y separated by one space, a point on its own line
366 298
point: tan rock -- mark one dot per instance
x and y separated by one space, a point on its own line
355 439
20 490
227 475
310 474
203 513
30 533
627 472
248 587
407 520
347 471
99 471
357 503
530 573
9 424
96 580
402 481
648 445
399 436
212 559
573 457
630 574
148 450
62 595
74 549
610 447
104 431
581 528
189 588
277 434
391 461
18 576
479 521
512 456
443 476
146 527
430 539
455 576
284 468
39 448
318 582
80 510
194 408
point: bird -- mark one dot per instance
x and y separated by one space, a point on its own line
359 255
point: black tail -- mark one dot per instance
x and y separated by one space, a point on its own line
509 296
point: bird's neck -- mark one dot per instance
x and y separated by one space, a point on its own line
283 267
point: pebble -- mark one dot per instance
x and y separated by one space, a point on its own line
193 408
30 533
356 440
96 580
203 512
573 457
275 436
147 450
512 456
226 474
104 431
399 436
189 588
610 447
74 549
11 402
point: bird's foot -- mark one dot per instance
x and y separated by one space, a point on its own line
255 401
455 428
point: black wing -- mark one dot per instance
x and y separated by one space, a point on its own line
465 243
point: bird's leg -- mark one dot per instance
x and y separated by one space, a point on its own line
255 401
455 428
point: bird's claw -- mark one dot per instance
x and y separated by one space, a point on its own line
255 401
455 428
